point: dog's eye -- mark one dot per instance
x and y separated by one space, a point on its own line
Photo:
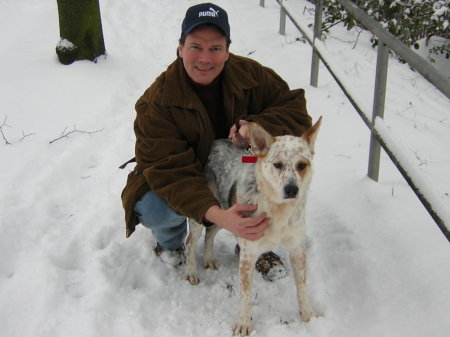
278 165
301 166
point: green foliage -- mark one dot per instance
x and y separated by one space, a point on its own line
408 20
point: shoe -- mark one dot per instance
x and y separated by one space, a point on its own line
173 257
269 265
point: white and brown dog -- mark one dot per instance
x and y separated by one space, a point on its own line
278 183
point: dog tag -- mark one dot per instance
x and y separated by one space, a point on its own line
249 159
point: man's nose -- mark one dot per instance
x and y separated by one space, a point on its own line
205 56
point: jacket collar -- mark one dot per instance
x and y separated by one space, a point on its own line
177 90
237 76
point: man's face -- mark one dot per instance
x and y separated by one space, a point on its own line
204 54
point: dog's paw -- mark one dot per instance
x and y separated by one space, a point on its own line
242 328
211 264
307 314
192 278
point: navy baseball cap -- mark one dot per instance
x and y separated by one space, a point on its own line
206 13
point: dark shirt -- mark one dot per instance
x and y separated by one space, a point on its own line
212 99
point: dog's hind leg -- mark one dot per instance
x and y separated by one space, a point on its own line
299 266
209 260
243 326
195 230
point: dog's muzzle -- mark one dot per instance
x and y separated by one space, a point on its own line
290 191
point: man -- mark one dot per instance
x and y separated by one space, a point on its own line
196 100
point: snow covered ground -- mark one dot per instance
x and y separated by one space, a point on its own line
379 266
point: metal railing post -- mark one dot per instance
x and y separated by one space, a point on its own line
378 107
282 20
315 60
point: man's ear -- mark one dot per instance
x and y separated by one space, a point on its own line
311 134
260 139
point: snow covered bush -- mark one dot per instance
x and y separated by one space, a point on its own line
409 20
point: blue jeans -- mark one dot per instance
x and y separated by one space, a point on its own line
168 227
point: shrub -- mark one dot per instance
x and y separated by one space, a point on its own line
408 20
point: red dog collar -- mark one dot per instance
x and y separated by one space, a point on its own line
249 159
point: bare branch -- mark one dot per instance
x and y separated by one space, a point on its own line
25 135
357 38
65 133
1 130
309 10
324 29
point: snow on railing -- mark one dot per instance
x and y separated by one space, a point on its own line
381 136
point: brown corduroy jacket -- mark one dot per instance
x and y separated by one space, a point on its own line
174 133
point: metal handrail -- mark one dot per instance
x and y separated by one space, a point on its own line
379 132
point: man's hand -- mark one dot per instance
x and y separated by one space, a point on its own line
232 219
243 130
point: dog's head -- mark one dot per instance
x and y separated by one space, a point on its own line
284 164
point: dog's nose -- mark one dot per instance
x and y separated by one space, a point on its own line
290 191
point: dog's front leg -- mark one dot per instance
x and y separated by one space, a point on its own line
246 266
299 265
209 260
195 230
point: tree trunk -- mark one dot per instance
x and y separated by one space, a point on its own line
80 28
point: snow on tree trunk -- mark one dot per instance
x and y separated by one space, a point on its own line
81 31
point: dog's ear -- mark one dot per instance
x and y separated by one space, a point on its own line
311 134
260 139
